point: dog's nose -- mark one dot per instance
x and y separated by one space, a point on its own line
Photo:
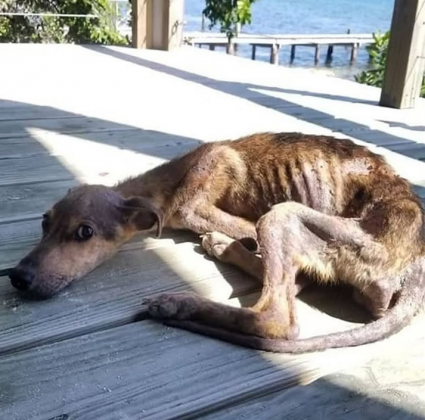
21 278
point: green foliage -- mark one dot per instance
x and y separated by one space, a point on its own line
228 13
45 29
378 57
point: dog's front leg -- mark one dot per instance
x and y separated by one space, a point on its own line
244 255
202 217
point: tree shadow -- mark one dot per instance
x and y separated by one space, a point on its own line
16 138
284 106
406 126
337 396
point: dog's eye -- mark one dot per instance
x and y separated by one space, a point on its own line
84 232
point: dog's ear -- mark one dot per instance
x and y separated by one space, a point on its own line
71 189
142 214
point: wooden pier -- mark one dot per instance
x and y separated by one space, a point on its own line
275 42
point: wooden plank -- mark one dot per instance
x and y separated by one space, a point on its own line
27 169
146 371
374 137
32 112
410 149
31 200
79 124
109 167
388 387
112 294
16 239
148 142
131 372
405 63
62 157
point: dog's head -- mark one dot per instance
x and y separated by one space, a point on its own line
81 231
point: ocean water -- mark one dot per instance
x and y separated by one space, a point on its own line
309 17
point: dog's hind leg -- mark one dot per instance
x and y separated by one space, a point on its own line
292 238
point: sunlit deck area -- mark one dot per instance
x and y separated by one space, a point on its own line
72 114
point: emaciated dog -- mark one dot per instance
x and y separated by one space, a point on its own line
316 205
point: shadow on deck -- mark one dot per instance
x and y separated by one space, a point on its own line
242 90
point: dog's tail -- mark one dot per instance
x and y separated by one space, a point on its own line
394 320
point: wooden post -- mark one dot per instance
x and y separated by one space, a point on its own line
405 64
329 53
139 28
157 24
317 54
354 51
230 48
254 51
238 28
274 54
212 47
292 53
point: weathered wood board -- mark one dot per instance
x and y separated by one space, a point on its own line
29 169
11 112
112 294
372 392
29 201
77 124
147 371
151 143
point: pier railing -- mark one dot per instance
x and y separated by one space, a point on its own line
275 42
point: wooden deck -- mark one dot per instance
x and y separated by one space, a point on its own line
71 114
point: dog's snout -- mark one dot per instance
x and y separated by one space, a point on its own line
22 278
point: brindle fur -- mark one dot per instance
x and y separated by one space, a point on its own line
314 205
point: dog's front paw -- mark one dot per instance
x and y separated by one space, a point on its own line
172 305
216 244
